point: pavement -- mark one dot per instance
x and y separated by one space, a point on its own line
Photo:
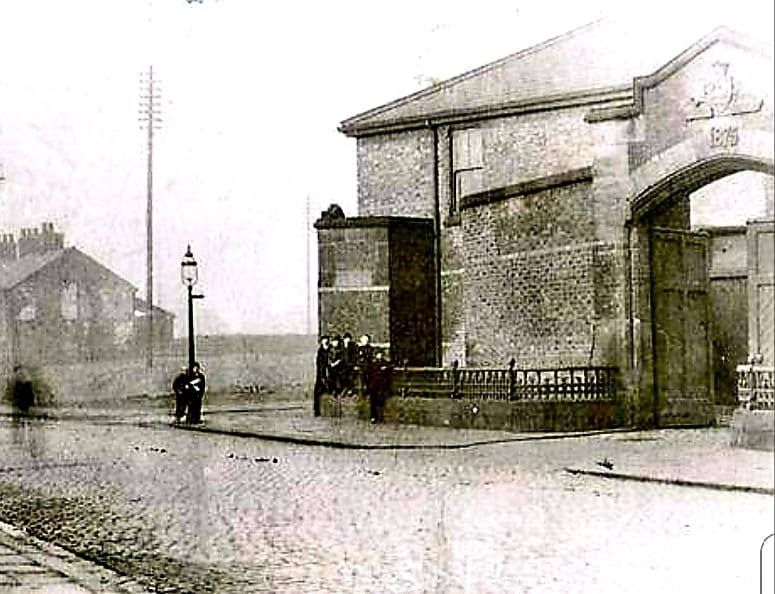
29 565
702 458
698 459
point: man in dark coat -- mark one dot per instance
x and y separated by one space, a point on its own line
23 391
349 359
321 374
181 394
196 391
379 387
335 366
363 360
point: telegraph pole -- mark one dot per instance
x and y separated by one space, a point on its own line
309 285
150 110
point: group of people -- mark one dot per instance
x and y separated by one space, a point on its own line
340 362
189 387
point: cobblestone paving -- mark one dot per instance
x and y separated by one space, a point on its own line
189 512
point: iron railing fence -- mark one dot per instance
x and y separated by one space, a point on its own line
484 383
756 387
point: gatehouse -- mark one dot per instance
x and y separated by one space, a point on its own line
552 207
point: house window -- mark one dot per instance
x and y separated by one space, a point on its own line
466 155
27 313
69 301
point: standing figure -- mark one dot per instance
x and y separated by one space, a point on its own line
335 365
23 391
181 394
321 374
196 392
379 387
363 360
349 359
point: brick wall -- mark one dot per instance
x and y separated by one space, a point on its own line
518 149
356 312
6 339
483 414
376 277
72 310
530 278
395 174
395 177
353 282
353 257
514 150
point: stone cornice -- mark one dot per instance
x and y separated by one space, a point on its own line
641 83
616 95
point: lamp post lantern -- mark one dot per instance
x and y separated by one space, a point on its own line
189 275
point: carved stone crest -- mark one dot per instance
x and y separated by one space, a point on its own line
721 96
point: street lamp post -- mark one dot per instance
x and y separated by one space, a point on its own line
189 275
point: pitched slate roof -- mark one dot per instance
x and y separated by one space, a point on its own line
13 272
597 61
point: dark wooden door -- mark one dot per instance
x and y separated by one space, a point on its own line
761 290
683 373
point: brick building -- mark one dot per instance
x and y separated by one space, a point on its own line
551 193
59 305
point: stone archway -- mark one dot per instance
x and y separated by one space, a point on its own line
670 296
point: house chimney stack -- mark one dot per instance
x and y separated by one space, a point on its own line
7 247
39 241
51 240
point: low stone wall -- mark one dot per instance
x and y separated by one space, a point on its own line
520 416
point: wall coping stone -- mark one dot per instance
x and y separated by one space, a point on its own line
372 221
566 178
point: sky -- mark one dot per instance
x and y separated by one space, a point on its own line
251 97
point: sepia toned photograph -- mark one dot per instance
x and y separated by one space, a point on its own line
364 298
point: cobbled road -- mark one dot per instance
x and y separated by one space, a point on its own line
189 512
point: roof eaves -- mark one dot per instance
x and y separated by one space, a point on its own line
93 261
618 94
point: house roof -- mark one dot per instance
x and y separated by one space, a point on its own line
594 63
13 272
